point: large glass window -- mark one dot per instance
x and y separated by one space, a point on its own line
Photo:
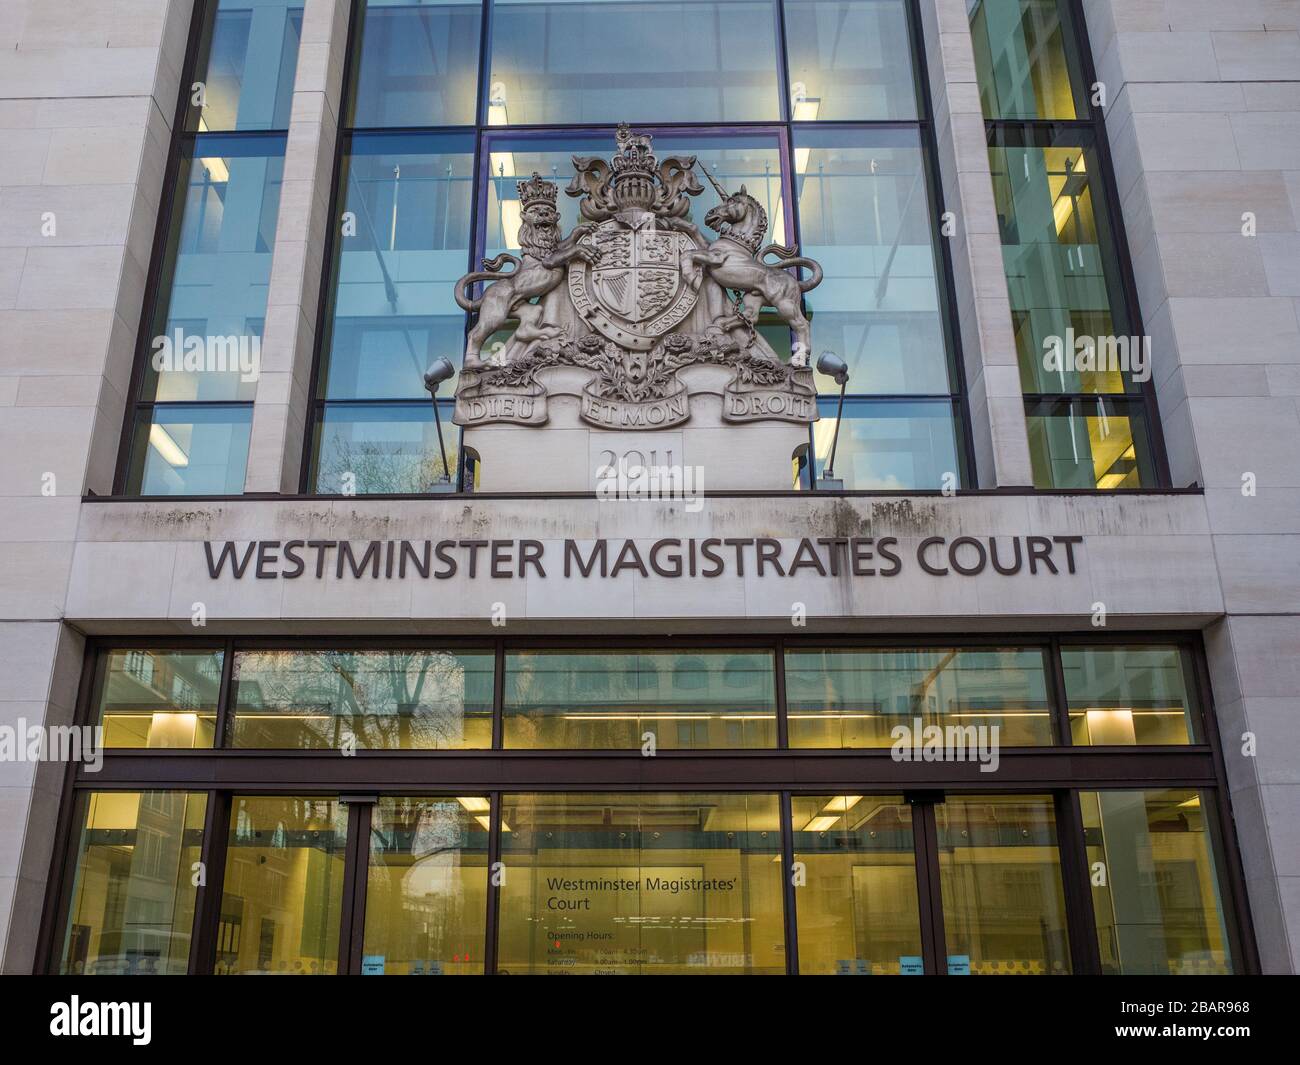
670 699
1073 335
1130 695
212 296
243 76
369 700
426 898
133 885
199 350
1000 872
858 698
866 214
857 907
850 59
1085 367
202 357
417 64
407 202
1156 882
1059 259
838 696
283 894
679 877
159 698
641 883
677 70
404 242
591 61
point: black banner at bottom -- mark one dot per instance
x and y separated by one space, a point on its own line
212 1014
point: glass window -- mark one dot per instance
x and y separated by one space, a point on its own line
283 895
372 700
1130 695
865 214
1026 60
856 698
407 199
417 64
641 884
889 444
207 325
609 699
1068 309
858 910
202 323
405 242
1072 327
160 698
1077 330
1091 442
190 449
191 427
1000 873
849 59
389 448
592 61
248 52
132 902
1156 888
1094 359
426 903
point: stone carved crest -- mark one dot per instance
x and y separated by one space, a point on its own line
634 294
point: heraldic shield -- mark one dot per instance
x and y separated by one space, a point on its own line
634 295
636 291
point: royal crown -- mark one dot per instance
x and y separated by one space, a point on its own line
634 153
535 190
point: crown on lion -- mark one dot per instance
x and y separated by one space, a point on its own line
535 190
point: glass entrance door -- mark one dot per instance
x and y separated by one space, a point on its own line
1000 878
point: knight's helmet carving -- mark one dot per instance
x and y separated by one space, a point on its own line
634 170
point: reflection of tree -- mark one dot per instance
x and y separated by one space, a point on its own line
381 699
381 466
420 871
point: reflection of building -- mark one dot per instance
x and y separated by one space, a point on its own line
159 701
138 846
350 673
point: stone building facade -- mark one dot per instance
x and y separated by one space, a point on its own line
1199 108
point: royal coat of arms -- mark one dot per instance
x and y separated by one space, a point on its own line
635 293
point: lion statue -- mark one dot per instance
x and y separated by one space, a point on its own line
519 293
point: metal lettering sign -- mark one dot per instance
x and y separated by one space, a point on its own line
635 293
